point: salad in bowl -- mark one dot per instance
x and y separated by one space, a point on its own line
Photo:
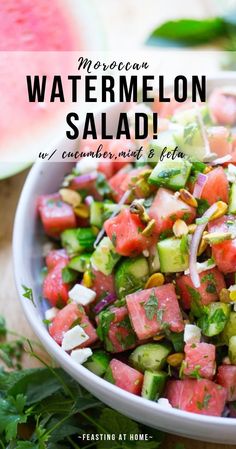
139 280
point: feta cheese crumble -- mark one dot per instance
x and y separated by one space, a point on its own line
86 165
164 402
192 333
231 173
74 337
82 295
81 355
51 313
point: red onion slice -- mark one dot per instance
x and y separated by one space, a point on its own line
104 303
89 200
199 184
81 181
196 238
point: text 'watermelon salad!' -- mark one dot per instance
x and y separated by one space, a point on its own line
141 262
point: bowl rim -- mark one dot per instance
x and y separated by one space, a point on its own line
57 352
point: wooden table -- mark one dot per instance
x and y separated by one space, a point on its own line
9 304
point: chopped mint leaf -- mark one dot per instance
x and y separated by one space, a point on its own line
151 306
28 293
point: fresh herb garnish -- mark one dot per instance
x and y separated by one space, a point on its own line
203 205
166 174
44 408
102 185
151 306
69 275
28 293
191 32
189 133
205 402
183 247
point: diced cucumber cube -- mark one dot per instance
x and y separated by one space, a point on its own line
186 116
190 141
214 319
153 384
131 275
173 254
230 328
96 214
232 349
151 356
78 240
232 199
105 257
98 362
172 174
80 263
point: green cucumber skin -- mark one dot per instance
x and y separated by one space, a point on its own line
96 214
78 240
229 329
232 349
131 275
80 263
214 318
172 260
104 258
153 384
151 356
98 363
232 199
175 181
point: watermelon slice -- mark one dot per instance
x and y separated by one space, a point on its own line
216 187
212 281
56 215
199 360
54 289
167 208
65 318
200 396
125 377
153 309
226 377
224 253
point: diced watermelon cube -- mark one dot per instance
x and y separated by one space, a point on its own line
115 183
227 378
199 360
65 319
220 140
119 334
154 309
167 208
103 284
216 187
56 215
224 253
55 256
212 281
54 289
126 231
222 107
200 396
125 377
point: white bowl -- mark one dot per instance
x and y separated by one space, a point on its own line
45 178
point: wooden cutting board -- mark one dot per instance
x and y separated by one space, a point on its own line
10 306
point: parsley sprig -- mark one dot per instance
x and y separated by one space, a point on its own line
44 408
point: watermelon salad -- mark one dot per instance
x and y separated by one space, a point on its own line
140 262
